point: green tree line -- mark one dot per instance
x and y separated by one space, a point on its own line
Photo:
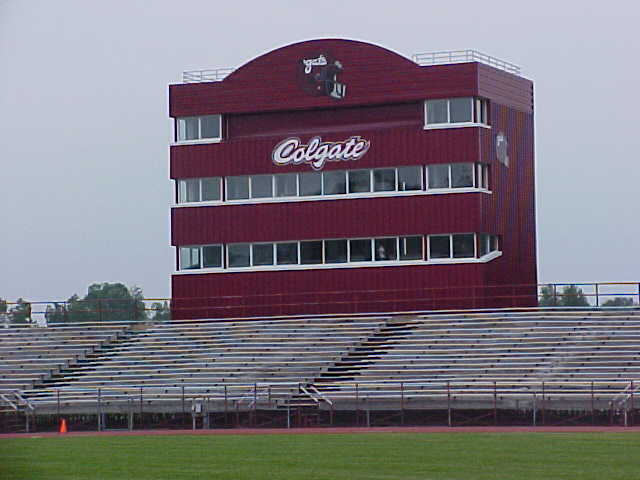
103 302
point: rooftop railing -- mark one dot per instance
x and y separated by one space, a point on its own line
212 75
464 56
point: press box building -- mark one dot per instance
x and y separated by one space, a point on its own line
336 176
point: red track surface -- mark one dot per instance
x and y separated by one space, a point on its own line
332 430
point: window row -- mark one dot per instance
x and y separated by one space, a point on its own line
438 112
337 182
456 111
207 127
341 251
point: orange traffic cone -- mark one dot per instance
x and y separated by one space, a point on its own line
63 426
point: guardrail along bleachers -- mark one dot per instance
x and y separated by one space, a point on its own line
30 355
204 357
573 353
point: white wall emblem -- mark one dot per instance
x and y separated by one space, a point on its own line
291 151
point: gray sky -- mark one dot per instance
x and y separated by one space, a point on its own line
84 130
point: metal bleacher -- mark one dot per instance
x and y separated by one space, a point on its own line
508 359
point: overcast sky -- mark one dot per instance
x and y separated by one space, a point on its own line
84 128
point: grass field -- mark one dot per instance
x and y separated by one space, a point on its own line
386 456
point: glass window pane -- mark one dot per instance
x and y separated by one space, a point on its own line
384 180
182 191
188 129
463 246
262 186
238 255
494 243
360 250
386 249
311 252
461 175
262 253
439 246
287 253
437 111
335 182
335 251
409 178
212 256
484 244
192 190
438 176
189 258
286 185
210 189
411 248
210 126
359 181
237 188
310 184
461 109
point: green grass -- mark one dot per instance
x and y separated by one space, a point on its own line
309 457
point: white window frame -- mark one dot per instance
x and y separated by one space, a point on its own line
177 140
201 257
448 124
199 179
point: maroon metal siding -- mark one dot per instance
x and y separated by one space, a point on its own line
347 290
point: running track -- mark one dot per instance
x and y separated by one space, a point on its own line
330 430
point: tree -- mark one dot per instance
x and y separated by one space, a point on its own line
548 297
107 302
571 296
160 311
619 302
3 306
21 313
56 313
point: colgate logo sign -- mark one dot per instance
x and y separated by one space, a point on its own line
316 153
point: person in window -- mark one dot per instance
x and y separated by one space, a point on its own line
381 253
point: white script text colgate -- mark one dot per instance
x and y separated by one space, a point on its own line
292 151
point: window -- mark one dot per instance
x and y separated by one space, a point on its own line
440 246
458 175
438 176
460 245
409 178
262 254
207 256
286 185
287 253
239 255
335 251
334 183
237 188
207 127
310 252
487 244
410 248
262 186
482 176
310 184
384 180
199 190
386 249
212 256
460 111
359 181
360 250
461 175
464 245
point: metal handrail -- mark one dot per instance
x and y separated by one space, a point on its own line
210 75
464 56
11 404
